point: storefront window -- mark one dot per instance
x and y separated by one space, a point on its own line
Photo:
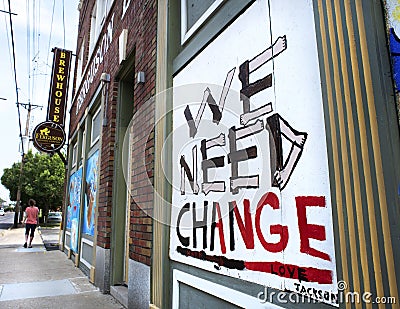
93 30
194 13
74 152
99 14
96 126
83 148
79 69
125 7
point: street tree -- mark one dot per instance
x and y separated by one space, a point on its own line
42 179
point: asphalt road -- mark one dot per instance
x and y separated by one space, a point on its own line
6 221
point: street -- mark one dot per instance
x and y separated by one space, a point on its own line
6 221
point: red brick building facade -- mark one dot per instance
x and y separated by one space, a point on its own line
116 40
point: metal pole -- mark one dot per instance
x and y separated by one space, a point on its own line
18 209
17 206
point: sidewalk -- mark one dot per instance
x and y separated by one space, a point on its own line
38 278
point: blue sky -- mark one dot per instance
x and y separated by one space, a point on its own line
34 58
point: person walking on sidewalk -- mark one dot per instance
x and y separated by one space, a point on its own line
31 220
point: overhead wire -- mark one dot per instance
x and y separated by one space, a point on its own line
34 26
35 53
38 37
28 47
15 75
51 32
8 37
51 27
63 13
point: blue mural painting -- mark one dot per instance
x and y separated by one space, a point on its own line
393 20
90 194
74 205
395 55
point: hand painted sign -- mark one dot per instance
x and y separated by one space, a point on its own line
251 196
59 86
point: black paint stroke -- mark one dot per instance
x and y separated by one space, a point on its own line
184 240
256 87
209 163
190 122
188 173
200 224
235 156
274 127
243 154
220 260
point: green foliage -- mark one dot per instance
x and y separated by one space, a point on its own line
42 179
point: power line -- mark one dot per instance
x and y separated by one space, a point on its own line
38 38
63 12
51 28
34 26
28 47
16 215
15 76
51 31
8 37
7 11
35 53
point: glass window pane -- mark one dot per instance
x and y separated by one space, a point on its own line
195 9
96 126
74 151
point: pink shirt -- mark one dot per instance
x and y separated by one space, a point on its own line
31 214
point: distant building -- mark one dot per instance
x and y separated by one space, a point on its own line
228 154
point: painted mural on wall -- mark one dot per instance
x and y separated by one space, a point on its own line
73 209
393 14
90 194
251 196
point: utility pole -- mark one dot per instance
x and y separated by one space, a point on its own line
18 208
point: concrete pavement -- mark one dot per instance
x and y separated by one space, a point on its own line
39 278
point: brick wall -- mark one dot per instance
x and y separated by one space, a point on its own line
141 20
142 142
144 21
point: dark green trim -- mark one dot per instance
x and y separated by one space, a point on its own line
247 287
218 21
119 195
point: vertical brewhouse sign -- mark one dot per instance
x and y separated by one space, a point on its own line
49 136
59 86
